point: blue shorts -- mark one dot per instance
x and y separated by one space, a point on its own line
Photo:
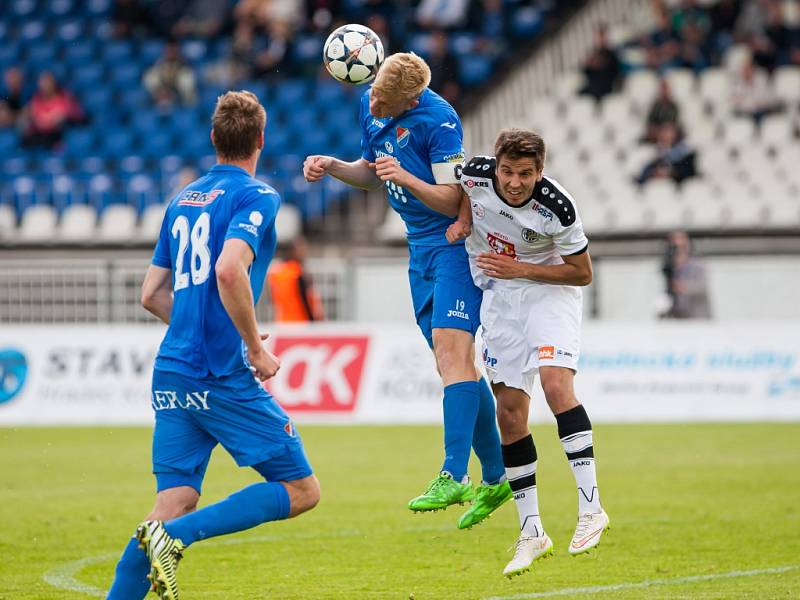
442 290
194 415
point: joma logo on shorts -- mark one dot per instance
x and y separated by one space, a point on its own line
169 399
458 313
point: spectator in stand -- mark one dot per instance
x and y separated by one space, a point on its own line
320 14
380 25
723 20
772 46
202 18
602 69
752 19
663 110
444 68
293 295
692 25
686 279
129 18
442 14
661 46
171 81
675 157
12 100
276 58
752 94
50 111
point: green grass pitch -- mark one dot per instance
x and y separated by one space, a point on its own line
698 511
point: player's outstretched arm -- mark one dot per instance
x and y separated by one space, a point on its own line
356 173
233 282
444 197
157 292
462 227
576 270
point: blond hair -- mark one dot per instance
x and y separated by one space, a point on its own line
237 123
519 143
403 76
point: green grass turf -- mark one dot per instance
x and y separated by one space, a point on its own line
685 500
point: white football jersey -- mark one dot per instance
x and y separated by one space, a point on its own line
540 231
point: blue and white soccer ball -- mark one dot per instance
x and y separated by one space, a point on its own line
353 54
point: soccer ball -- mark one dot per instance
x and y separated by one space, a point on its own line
353 54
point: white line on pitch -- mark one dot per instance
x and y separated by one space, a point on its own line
63 577
645 584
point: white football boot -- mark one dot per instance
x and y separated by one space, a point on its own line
587 534
526 551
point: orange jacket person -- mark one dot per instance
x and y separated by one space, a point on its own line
293 296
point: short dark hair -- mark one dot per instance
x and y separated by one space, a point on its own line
518 143
238 121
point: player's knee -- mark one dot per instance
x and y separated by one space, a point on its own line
452 355
558 394
303 496
511 419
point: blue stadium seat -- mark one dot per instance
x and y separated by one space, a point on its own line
9 53
79 141
420 44
95 100
80 52
184 119
170 164
101 191
24 192
69 31
315 141
21 9
291 92
117 52
277 141
157 144
59 8
65 191
133 164
474 70
194 51
150 51
41 55
205 162
16 165
123 75
140 191
32 31
145 122
117 143
98 8
527 22
102 29
9 142
134 99
92 165
53 165
85 80
462 44
328 95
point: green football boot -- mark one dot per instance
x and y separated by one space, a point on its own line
488 499
441 493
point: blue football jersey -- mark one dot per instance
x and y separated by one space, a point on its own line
226 203
428 142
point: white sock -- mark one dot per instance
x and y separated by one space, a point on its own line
522 480
580 454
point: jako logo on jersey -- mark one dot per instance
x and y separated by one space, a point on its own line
529 235
389 147
506 215
501 246
547 352
13 373
199 198
318 373
403 135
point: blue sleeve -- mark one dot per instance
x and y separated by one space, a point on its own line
364 119
446 140
254 216
161 255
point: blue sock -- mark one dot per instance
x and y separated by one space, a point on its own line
130 577
486 438
461 402
251 506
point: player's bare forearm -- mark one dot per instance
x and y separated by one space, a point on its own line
157 292
237 298
465 210
576 270
444 198
462 227
356 173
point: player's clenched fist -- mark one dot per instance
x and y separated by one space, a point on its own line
316 167
263 364
458 231
387 168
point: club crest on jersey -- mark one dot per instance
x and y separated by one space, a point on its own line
388 146
478 211
289 429
529 235
193 198
403 135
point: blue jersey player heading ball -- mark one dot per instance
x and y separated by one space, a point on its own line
411 142
217 239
